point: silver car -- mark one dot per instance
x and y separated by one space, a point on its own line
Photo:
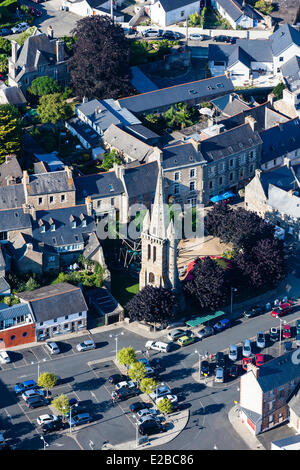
175 334
260 340
247 348
86 345
233 352
205 332
219 374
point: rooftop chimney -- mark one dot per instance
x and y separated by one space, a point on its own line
89 205
60 50
254 369
287 162
50 32
271 98
258 172
252 122
227 73
14 50
119 170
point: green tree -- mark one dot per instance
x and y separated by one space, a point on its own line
3 63
31 284
127 356
278 90
47 380
194 19
264 7
137 372
109 159
26 34
148 385
165 406
53 108
44 86
10 130
178 116
5 46
61 404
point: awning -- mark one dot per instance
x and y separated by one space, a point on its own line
204 319
222 197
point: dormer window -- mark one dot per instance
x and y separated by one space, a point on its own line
73 221
83 220
52 225
43 229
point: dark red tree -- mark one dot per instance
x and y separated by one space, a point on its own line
99 66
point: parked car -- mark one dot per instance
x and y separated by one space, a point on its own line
219 374
52 426
38 392
297 340
43 419
23 386
173 399
126 384
158 346
146 412
36 402
171 35
52 348
253 311
82 418
298 327
259 359
196 37
204 368
125 393
282 310
86 345
176 324
227 39
151 427
221 325
19 28
205 332
286 331
274 334
185 340
233 371
175 334
233 352
5 31
245 362
151 32
140 405
160 391
116 378
260 340
146 418
4 357
247 348
220 359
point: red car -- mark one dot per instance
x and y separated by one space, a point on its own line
35 11
283 309
286 331
245 362
259 360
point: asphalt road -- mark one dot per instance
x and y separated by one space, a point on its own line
208 426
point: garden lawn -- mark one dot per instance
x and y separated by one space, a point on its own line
123 287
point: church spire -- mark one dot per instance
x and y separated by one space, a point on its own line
159 215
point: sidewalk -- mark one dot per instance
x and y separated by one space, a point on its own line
240 428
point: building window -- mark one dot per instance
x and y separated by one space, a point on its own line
74 224
154 254
192 173
151 278
231 162
242 172
62 198
176 189
52 227
43 229
40 200
210 185
280 59
66 317
83 223
98 203
25 334
231 176
149 252
192 202
251 168
251 154
51 199
112 201
177 176
13 337
220 180
192 186
3 235
182 13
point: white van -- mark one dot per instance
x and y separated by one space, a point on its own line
4 357
158 346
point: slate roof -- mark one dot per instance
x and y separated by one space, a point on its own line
239 55
169 5
279 140
85 131
142 132
14 219
278 372
11 196
4 286
51 160
141 179
229 143
98 185
10 167
284 202
15 311
46 302
291 73
180 155
127 144
49 183
64 234
254 50
282 177
178 93
283 38
12 95
230 104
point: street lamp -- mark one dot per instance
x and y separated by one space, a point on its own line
44 442
200 357
116 339
232 290
284 322
38 364
136 431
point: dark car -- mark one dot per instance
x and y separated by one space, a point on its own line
221 325
53 426
172 35
139 405
36 402
253 311
5 31
116 378
233 371
204 369
220 359
274 334
150 427
125 393
221 39
298 327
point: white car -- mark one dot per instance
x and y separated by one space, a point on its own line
125 384
233 352
196 37
260 340
247 348
19 28
161 391
146 412
158 346
151 32
37 392
43 419
172 398
52 348
4 357
86 345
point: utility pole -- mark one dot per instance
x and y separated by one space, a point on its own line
187 30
